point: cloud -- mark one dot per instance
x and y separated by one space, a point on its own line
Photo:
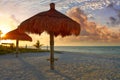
114 20
10 21
90 31
90 16
13 17
111 5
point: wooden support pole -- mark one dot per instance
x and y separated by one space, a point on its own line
17 43
52 51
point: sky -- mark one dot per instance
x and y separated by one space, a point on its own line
99 20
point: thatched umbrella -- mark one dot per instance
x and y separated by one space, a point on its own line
17 35
54 23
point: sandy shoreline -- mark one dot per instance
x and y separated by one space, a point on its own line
70 66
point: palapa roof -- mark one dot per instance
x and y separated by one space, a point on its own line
17 35
51 21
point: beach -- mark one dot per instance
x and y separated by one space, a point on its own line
69 66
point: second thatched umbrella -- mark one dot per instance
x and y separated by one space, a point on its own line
17 35
54 23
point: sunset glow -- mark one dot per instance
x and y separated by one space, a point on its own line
4 29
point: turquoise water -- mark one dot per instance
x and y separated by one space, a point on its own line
90 49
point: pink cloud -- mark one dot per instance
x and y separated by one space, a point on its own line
90 31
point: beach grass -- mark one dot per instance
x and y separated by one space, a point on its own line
5 50
9 50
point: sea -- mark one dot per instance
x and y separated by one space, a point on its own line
89 49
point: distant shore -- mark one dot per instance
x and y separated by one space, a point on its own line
69 66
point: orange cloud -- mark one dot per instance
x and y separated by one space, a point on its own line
90 31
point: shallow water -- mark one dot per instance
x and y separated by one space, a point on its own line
90 49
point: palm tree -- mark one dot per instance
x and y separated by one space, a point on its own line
38 45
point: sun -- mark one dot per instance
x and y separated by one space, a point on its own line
3 30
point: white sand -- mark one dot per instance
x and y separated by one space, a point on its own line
70 66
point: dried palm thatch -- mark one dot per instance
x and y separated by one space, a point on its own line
17 35
54 23
51 21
